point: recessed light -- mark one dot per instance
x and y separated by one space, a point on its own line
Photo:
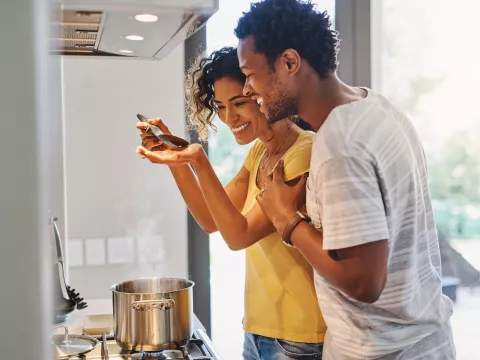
134 37
146 17
125 51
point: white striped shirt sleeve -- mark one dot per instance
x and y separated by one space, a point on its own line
352 202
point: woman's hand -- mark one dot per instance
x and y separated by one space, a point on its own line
192 154
151 142
155 151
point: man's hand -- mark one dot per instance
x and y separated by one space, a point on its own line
280 201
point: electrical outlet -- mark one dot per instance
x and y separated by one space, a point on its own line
75 252
95 252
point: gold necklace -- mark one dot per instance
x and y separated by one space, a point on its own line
265 163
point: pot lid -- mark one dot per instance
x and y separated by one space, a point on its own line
72 345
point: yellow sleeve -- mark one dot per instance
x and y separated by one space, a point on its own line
252 155
297 159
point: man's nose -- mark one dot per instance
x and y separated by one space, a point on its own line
247 89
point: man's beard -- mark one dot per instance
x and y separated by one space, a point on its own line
281 109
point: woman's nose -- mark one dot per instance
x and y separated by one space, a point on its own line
231 116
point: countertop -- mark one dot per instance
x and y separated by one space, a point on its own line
104 306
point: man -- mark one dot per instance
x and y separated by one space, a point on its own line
373 243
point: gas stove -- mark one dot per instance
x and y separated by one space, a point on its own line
198 348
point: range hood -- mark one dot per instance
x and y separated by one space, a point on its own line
104 27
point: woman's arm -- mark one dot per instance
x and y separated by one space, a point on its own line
187 181
238 231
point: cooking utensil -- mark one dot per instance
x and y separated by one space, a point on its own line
66 299
68 345
75 297
63 304
171 141
152 314
60 266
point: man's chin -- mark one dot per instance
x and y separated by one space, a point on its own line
273 119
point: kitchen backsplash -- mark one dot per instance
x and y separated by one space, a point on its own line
115 251
125 216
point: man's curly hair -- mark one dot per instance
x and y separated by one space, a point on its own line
277 25
201 109
200 95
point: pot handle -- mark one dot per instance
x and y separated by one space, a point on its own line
149 305
64 327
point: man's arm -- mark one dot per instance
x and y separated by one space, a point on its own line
359 271
351 253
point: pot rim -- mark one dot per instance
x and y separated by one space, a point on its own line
191 284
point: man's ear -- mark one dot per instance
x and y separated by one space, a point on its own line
292 61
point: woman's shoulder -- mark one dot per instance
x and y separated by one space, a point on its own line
253 154
306 138
297 159
256 150
303 145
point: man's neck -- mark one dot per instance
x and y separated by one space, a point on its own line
321 96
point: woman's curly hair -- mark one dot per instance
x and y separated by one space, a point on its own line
201 76
200 95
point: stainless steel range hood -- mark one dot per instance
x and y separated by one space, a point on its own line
103 27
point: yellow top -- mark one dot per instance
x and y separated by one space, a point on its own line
280 299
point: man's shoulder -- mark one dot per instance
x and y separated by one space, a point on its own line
355 128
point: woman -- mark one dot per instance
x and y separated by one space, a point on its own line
282 317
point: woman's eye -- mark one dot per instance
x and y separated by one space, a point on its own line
239 104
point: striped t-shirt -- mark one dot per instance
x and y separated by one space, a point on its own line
368 182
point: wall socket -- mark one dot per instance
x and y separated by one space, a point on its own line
75 252
95 252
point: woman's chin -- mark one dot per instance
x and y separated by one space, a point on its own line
244 140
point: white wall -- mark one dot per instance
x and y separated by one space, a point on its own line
111 191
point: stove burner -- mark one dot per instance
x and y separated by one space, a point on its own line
199 347
157 355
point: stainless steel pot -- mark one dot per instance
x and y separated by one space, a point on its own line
152 314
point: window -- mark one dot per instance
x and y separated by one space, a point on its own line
427 64
227 268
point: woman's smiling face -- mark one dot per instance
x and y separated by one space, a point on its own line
239 112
